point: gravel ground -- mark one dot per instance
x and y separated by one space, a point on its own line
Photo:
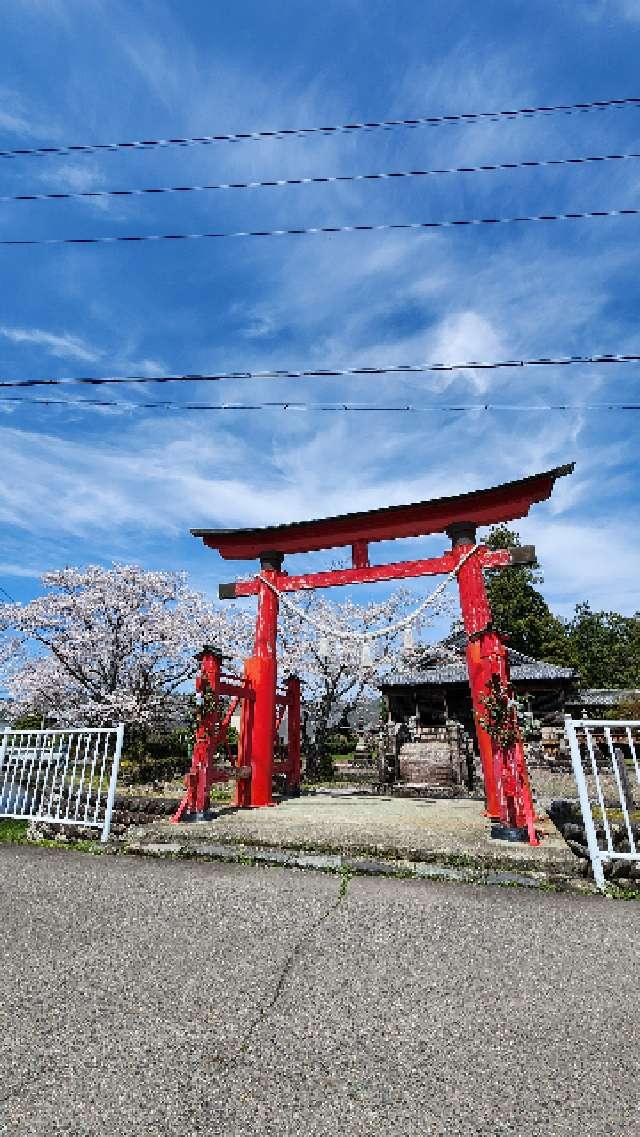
153 999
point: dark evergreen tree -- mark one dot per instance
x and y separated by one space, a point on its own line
520 611
605 647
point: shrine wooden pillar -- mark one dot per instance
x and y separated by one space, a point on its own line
261 672
486 653
196 800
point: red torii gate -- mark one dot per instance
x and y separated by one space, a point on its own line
507 790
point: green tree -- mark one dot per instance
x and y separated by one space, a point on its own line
519 609
605 647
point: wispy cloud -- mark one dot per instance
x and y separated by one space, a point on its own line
161 480
83 177
117 484
16 569
64 346
612 9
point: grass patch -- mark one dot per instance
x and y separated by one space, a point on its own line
616 815
620 892
13 831
222 793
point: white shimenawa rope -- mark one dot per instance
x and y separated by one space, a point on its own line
364 637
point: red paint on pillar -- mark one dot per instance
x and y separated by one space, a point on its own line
516 800
242 797
476 614
197 781
478 685
507 790
262 672
360 554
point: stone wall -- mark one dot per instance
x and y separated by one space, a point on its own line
127 810
550 750
567 817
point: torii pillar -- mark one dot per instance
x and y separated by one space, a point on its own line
486 652
261 672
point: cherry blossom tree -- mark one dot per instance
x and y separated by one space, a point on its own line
110 644
103 645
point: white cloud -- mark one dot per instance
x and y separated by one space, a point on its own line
598 10
15 123
16 569
65 346
345 300
72 176
83 177
19 117
463 336
161 477
598 562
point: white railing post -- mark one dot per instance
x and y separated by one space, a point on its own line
61 764
585 804
112 783
3 758
3 747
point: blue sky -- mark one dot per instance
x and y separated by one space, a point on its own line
81 487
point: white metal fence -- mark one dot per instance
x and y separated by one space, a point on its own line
64 777
606 763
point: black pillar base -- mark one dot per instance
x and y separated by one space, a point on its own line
501 832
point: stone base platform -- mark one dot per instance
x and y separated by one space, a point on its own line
451 832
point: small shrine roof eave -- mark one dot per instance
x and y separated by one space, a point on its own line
491 506
456 675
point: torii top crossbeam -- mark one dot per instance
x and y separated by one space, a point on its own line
491 506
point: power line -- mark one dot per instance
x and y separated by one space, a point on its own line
343 128
328 179
313 229
327 372
292 405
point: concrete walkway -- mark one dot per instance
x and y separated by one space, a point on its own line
145 998
451 831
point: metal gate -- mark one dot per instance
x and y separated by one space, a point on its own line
63 777
605 758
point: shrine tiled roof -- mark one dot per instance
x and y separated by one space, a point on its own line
603 697
523 669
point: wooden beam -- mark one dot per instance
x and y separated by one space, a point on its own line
397 570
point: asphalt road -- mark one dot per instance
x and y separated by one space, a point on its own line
142 997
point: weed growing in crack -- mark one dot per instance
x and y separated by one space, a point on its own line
345 877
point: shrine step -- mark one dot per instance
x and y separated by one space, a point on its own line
431 762
422 790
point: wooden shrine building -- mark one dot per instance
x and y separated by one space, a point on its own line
438 692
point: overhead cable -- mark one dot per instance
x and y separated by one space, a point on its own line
292 405
343 128
328 179
326 372
313 229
